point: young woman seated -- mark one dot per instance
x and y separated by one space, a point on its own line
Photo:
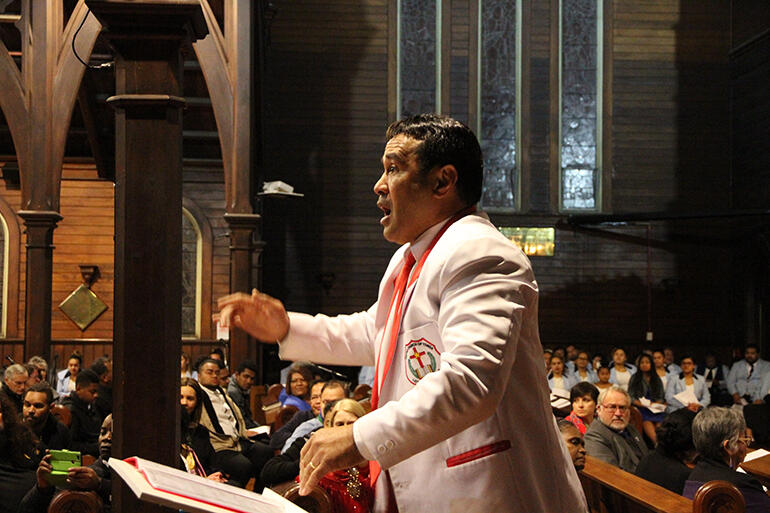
646 384
583 371
603 378
583 398
196 451
557 379
620 370
687 380
659 360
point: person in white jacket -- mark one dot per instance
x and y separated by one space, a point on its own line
462 419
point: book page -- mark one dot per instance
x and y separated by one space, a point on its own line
177 485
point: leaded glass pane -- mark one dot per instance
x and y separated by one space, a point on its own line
579 104
189 276
579 188
418 56
498 103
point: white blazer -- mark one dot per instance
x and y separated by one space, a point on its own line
477 434
676 385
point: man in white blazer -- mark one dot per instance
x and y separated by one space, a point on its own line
463 420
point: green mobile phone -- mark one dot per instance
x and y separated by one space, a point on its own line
62 461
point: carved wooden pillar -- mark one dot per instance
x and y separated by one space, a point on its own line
242 228
147 38
39 226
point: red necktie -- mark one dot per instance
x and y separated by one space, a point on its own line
395 325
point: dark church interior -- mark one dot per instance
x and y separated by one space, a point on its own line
236 144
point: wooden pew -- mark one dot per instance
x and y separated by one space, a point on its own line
69 501
609 489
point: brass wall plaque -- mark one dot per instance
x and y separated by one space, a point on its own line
83 307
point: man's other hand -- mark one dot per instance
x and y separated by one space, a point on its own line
329 449
261 316
43 471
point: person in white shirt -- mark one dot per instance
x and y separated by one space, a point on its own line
687 380
621 370
460 397
745 379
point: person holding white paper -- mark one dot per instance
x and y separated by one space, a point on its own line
687 390
461 418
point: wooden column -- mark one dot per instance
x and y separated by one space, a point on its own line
242 228
147 38
39 226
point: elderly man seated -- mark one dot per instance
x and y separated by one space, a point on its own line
14 384
612 439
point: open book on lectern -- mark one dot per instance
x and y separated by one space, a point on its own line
159 484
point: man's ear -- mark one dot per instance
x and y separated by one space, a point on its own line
445 178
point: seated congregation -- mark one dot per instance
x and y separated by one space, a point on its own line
653 422
662 423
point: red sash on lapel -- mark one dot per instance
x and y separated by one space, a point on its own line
399 290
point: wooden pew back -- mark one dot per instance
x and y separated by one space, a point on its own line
609 489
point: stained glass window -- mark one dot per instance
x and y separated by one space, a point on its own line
580 109
497 106
417 56
190 242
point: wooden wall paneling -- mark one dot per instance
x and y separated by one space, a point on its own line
85 236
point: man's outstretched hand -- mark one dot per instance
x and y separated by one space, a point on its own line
261 316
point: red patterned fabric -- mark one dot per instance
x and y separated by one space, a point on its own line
336 485
572 417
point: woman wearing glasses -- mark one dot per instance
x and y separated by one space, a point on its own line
720 437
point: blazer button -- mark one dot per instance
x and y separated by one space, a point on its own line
381 449
390 444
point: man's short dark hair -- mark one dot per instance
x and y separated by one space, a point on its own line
752 345
219 363
583 389
445 141
85 378
99 367
41 387
335 383
247 364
